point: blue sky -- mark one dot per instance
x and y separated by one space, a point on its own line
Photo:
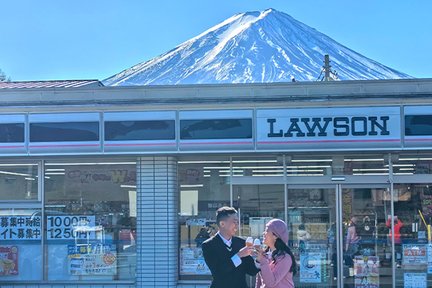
94 39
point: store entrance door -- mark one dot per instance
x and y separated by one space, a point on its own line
318 211
322 218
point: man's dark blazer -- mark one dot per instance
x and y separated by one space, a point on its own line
218 259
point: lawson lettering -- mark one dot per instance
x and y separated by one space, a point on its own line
329 126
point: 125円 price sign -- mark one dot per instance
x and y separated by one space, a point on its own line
20 228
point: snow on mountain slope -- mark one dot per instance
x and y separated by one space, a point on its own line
253 47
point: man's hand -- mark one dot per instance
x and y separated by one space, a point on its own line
245 251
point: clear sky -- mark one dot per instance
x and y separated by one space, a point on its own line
94 39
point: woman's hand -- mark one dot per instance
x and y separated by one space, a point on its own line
260 255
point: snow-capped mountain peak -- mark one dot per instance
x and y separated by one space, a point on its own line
267 46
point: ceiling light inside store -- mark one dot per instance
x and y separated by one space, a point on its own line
415 159
90 163
365 160
203 162
30 179
16 174
227 161
268 171
405 173
55 173
267 175
305 170
370 169
307 174
309 166
228 171
370 174
242 167
191 186
401 165
16 165
54 170
128 186
311 160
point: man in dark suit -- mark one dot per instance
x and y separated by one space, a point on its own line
226 255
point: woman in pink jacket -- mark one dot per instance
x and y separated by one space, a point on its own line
277 263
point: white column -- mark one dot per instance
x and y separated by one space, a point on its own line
157 223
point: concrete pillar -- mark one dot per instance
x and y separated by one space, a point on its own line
157 223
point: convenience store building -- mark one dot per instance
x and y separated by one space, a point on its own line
111 186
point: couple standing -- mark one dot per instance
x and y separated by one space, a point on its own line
229 259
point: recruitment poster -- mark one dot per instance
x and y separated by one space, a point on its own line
20 227
92 259
366 272
8 260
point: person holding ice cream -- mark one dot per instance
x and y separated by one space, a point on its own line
277 262
226 255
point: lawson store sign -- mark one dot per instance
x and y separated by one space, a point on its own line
327 128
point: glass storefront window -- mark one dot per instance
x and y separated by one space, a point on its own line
303 165
203 187
412 234
413 164
20 244
367 165
312 225
18 181
90 209
366 249
257 166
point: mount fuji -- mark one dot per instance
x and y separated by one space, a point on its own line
253 47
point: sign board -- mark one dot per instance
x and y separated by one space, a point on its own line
366 271
92 259
196 222
414 254
415 280
312 268
328 128
429 258
192 262
20 228
68 227
8 260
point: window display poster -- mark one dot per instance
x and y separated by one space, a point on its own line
20 227
192 262
311 268
8 260
414 254
70 227
415 280
92 259
366 271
